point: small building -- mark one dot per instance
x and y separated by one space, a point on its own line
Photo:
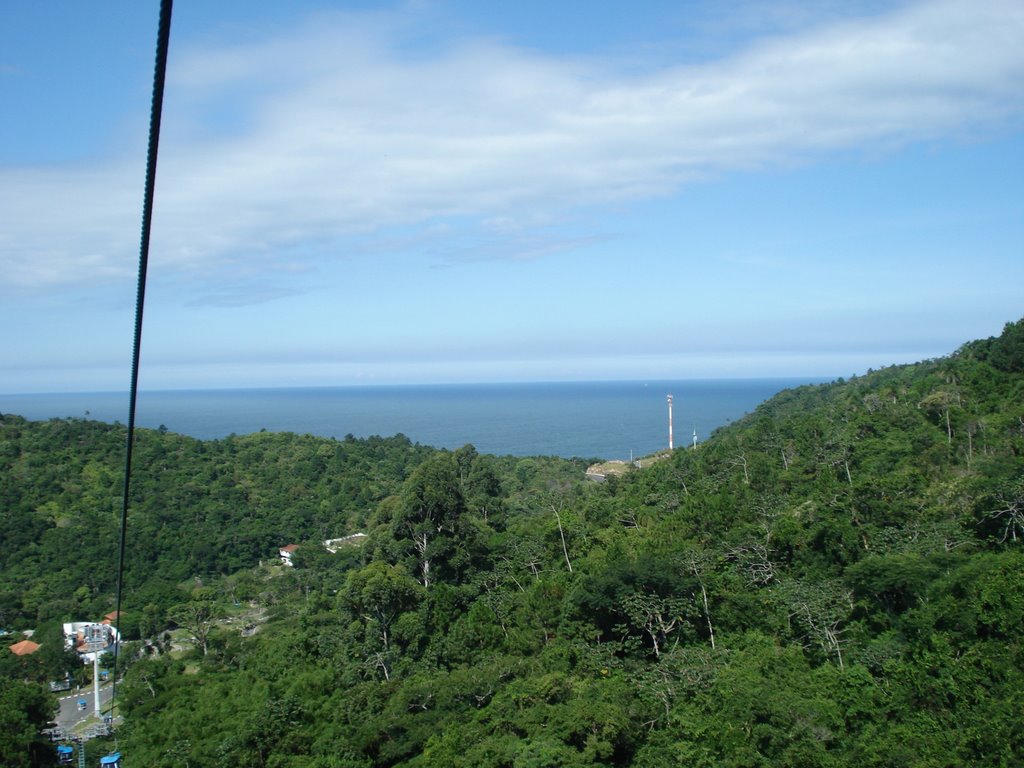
333 545
24 648
286 553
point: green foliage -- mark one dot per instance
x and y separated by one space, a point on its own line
1005 353
429 519
239 499
24 711
833 580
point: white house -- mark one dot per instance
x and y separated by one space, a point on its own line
286 553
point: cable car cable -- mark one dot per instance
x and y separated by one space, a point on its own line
156 111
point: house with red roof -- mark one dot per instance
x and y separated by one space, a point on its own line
286 553
24 648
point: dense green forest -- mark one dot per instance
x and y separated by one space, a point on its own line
836 579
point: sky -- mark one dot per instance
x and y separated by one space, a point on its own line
436 191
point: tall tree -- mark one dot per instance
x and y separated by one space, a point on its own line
199 617
429 513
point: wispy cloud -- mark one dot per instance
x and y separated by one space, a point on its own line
332 130
242 296
515 248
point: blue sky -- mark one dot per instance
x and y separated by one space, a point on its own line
442 191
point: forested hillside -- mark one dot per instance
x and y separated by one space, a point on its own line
835 580
198 508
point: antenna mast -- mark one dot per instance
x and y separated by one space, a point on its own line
670 422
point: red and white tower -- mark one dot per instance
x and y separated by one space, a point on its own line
670 422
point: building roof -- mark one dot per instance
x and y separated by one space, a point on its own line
114 615
333 545
24 648
289 548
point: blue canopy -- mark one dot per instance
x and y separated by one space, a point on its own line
64 749
113 759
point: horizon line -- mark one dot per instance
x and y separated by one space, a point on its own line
393 385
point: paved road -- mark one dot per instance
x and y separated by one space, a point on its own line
69 715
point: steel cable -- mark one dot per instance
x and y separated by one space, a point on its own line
156 112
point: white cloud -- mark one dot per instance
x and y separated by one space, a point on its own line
332 129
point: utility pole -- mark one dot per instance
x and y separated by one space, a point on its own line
670 422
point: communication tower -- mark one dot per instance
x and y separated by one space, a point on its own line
670 422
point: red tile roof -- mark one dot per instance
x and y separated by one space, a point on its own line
24 648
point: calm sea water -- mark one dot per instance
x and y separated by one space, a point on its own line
609 420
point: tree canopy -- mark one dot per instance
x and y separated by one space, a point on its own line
833 580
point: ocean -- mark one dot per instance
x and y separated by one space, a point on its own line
607 420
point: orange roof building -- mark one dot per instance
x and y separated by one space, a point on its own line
24 648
